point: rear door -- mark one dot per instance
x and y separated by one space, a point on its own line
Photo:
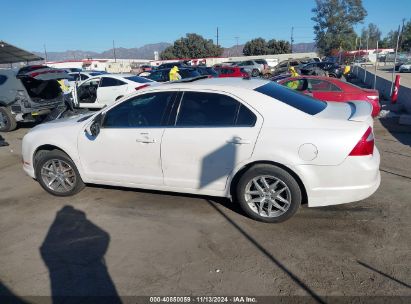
211 134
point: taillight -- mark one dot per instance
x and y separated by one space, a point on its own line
142 87
365 145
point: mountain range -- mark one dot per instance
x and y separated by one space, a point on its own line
147 52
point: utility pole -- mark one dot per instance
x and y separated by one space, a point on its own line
395 60
114 52
236 39
292 38
45 53
217 35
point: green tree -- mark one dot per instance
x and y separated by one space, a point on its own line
373 33
278 47
334 24
256 46
192 46
406 37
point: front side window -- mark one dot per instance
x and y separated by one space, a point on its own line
296 84
198 109
110 82
142 111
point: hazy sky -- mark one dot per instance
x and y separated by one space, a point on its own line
92 25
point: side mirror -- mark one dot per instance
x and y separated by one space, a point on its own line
93 129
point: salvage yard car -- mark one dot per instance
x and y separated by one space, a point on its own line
332 89
265 146
30 96
102 90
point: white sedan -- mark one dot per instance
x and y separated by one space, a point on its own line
103 90
406 67
263 145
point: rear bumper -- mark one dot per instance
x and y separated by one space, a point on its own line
357 178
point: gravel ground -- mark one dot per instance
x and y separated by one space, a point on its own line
126 242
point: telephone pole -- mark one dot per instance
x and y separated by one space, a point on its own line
292 38
217 35
114 52
236 39
45 53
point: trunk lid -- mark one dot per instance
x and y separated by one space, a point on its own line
359 111
47 74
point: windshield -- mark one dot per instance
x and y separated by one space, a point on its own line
297 100
138 79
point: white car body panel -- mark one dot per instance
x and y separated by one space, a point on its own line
314 148
109 95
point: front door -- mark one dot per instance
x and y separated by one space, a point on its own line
211 135
127 150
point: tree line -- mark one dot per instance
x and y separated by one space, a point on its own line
334 28
334 22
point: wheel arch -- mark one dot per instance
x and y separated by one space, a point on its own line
239 173
47 147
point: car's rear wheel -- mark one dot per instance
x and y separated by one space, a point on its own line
268 193
57 173
7 121
255 73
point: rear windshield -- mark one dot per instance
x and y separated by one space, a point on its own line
189 73
297 100
139 79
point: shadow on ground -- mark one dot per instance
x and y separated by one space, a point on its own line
73 252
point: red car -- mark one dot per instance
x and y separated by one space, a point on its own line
231 71
332 89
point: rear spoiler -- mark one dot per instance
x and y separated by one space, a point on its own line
360 111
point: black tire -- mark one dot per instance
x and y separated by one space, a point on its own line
293 194
8 122
255 73
42 157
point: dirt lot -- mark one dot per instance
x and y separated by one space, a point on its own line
127 242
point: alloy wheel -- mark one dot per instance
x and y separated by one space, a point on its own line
58 175
268 196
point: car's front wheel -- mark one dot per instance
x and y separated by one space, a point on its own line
57 173
268 193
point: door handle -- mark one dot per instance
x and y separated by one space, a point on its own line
238 141
145 138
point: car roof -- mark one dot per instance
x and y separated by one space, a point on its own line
234 83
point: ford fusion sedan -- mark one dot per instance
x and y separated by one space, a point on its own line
264 146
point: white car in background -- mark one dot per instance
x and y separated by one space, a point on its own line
105 89
263 145
406 67
81 76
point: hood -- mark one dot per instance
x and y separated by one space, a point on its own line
64 122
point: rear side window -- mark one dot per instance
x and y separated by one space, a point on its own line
300 101
110 82
199 109
2 79
322 86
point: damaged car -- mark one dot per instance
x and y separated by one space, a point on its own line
28 96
